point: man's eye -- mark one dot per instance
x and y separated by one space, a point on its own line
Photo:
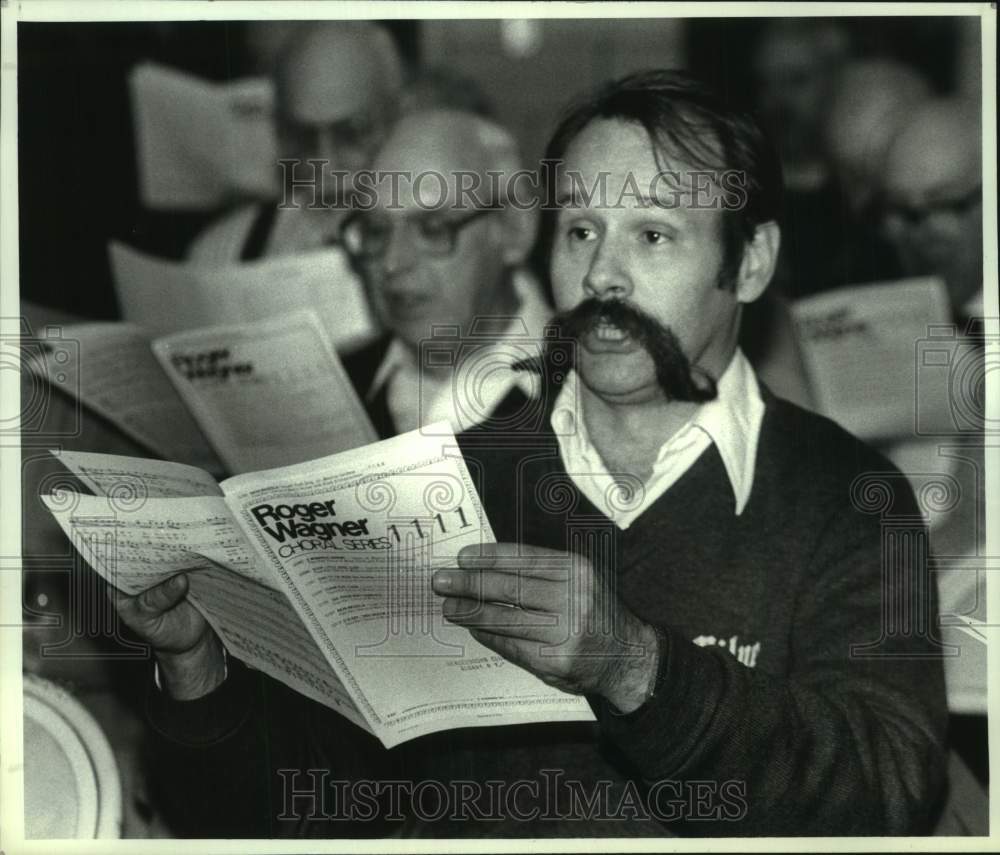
433 228
298 131
376 228
654 238
580 233
360 126
352 131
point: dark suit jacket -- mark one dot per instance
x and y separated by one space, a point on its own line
514 413
361 366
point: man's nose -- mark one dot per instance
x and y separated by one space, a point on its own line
326 148
605 277
399 251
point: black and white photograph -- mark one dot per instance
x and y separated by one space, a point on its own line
556 425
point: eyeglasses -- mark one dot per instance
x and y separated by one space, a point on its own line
913 215
368 236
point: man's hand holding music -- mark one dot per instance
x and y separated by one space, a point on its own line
553 614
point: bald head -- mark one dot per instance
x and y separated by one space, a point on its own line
936 149
447 143
933 192
337 84
328 70
870 100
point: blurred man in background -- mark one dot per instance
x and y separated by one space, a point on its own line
933 180
832 231
444 273
933 214
337 86
794 64
870 99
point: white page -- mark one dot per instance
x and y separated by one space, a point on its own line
258 626
113 372
200 144
156 537
111 474
138 544
166 297
267 394
364 591
860 347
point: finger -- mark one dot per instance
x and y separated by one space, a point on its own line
518 589
500 620
511 649
163 597
118 597
478 555
123 601
554 566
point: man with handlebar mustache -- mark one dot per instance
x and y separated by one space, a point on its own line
699 558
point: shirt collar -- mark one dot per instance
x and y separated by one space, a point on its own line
397 356
732 421
974 308
533 313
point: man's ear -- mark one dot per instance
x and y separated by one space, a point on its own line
520 227
760 257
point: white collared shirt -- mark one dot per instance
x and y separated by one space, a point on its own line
732 421
975 307
481 380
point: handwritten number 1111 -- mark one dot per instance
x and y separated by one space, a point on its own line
438 518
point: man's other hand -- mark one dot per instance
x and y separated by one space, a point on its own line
189 653
555 615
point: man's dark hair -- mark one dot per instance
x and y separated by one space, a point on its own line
687 123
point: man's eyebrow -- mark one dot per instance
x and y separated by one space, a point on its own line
661 199
952 190
566 197
676 200
669 199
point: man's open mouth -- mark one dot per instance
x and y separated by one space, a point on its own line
609 332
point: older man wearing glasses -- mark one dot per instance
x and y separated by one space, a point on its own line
933 198
337 86
441 249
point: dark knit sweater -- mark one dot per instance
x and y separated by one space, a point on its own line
811 740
